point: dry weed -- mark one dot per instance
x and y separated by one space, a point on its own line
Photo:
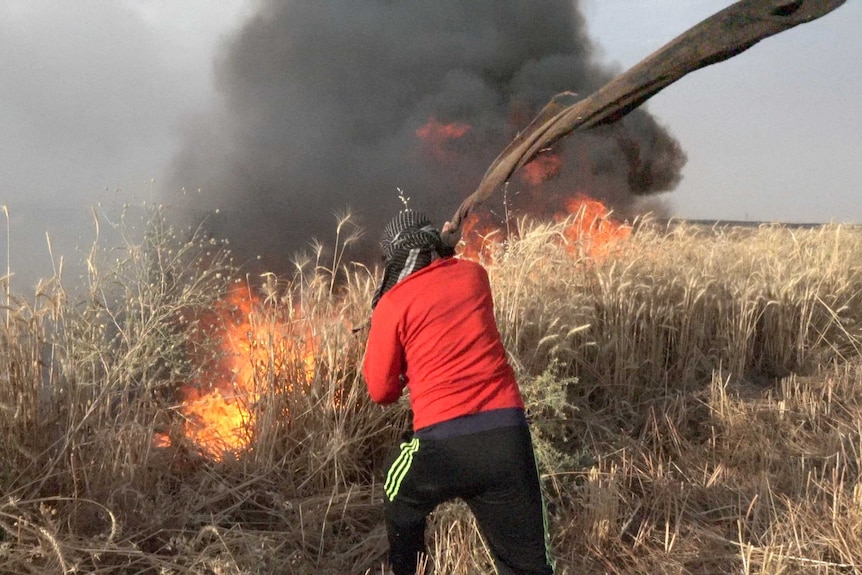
695 398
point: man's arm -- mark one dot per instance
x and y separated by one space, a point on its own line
384 359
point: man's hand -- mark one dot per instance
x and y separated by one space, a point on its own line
450 234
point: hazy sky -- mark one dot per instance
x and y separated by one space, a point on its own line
772 134
95 93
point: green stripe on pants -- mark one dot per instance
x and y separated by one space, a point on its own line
400 468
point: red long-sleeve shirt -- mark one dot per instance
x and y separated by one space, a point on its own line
435 332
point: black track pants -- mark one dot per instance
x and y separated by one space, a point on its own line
494 472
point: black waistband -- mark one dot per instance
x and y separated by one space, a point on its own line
474 423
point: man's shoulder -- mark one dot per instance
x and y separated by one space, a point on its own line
469 266
460 263
464 274
446 270
452 267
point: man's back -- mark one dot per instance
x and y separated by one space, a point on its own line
436 327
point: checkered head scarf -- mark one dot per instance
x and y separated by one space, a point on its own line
409 244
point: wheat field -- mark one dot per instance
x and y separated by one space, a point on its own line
695 396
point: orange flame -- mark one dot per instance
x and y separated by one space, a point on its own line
255 347
479 235
436 135
541 169
592 232
435 131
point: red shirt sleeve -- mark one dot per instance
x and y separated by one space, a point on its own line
384 364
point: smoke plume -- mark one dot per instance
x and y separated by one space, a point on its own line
334 105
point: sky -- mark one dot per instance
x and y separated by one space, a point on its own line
95 96
773 134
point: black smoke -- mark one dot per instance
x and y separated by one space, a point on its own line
321 103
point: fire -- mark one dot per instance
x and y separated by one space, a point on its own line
260 344
478 235
436 135
591 231
437 132
255 347
542 169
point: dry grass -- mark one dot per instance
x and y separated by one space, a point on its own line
696 397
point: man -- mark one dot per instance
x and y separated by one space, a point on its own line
433 331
